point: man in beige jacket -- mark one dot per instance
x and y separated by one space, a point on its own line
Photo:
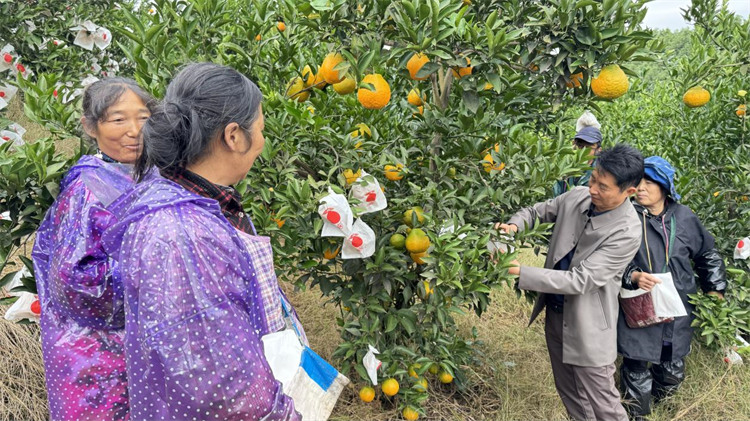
596 234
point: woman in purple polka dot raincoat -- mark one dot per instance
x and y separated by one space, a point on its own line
200 288
82 318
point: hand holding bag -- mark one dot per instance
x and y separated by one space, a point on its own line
308 379
660 305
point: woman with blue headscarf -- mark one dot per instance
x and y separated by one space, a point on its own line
674 241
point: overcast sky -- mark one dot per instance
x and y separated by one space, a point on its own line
666 14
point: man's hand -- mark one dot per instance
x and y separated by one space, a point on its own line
716 293
507 228
515 269
645 281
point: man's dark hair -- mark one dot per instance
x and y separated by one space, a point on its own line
624 162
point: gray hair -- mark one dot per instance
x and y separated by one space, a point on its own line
200 102
102 94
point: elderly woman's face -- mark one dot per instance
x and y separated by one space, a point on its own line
118 135
649 193
256 139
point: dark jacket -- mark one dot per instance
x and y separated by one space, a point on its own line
693 247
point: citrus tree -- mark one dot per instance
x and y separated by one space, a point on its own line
455 107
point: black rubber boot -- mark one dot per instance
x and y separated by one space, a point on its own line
668 377
635 383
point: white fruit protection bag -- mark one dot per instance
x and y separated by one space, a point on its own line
337 215
369 194
742 251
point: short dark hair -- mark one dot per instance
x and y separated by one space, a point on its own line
624 162
200 102
102 94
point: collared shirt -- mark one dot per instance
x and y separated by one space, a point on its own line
228 197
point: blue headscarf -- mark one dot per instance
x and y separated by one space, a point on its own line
659 170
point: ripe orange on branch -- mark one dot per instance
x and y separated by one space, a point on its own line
390 387
611 83
367 394
415 63
460 72
328 68
376 98
696 97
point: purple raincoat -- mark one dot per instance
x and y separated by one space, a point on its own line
194 311
83 317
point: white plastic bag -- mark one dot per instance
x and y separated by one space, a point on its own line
360 242
742 251
372 364
26 307
667 302
369 194
337 215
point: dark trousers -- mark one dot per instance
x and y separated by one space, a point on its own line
641 381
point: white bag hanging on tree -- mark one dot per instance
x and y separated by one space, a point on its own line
337 215
372 364
742 251
367 190
359 243
667 301
27 306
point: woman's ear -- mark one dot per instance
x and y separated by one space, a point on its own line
88 128
231 136
235 138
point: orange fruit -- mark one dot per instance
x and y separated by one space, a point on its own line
345 87
389 387
422 382
258 37
410 414
367 394
741 110
417 241
327 69
575 80
696 97
331 254
488 86
415 98
434 369
413 370
489 164
362 129
296 90
420 110
417 257
427 289
398 241
393 172
415 63
611 83
445 377
419 212
351 176
281 26
378 97
460 72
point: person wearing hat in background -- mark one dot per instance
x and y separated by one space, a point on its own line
674 241
587 136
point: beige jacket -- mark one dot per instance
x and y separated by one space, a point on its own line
605 244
